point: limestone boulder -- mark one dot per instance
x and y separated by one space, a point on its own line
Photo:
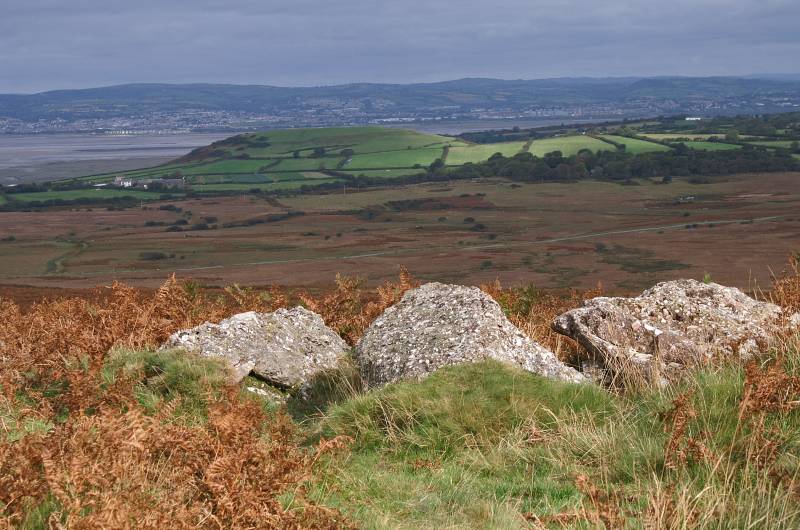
672 326
436 325
286 348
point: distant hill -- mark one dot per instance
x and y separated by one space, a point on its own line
471 97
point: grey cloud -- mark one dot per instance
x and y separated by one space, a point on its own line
46 44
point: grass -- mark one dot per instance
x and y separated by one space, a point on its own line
164 376
481 152
636 146
269 186
394 159
96 193
306 164
97 435
449 452
568 145
226 166
688 134
786 144
386 173
292 150
227 179
484 446
711 146
361 139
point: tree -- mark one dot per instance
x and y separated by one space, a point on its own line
436 165
554 159
732 135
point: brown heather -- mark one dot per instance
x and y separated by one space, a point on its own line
349 311
533 311
106 461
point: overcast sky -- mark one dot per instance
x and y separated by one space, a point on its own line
50 44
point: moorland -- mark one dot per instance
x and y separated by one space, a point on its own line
624 203
99 428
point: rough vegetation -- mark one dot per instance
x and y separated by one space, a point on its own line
99 430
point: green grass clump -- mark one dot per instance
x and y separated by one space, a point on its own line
460 449
166 375
489 446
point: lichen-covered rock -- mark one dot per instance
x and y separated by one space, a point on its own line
671 326
285 348
437 325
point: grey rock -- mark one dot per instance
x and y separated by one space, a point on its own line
437 325
285 348
670 327
269 394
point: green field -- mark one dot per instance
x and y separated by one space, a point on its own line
247 178
361 139
394 159
568 145
385 173
224 167
68 195
273 186
711 146
636 146
678 135
283 159
274 157
286 159
305 164
481 152
785 144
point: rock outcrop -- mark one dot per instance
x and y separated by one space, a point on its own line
437 325
285 348
673 325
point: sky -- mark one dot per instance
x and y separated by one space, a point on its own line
56 44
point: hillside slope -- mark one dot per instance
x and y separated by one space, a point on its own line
99 430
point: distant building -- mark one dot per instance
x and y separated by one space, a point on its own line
123 182
693 118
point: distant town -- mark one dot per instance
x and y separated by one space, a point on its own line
148 109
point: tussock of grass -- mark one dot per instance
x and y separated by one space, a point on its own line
488 446
143 438
163 376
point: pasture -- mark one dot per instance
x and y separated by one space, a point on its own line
93 193
711 146
568 145
636 146
458 156
784 144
